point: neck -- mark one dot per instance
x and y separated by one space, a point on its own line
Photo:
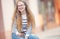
24 12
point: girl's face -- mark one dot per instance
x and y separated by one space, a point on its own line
21 6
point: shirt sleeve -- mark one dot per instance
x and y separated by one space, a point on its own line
29 31
14 29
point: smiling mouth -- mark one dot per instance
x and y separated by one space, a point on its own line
20 8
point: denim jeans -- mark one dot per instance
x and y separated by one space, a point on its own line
30 37
33 37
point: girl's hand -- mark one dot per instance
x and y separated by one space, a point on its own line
18 34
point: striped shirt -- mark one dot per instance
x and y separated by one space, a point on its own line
24 22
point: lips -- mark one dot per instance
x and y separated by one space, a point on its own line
20 8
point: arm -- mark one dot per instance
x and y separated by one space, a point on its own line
14 29
29 31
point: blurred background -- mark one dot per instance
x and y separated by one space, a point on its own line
46 14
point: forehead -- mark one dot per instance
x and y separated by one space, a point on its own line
20 3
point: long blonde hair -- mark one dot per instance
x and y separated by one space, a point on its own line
30 18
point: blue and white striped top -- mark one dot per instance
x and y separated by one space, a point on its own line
24 22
